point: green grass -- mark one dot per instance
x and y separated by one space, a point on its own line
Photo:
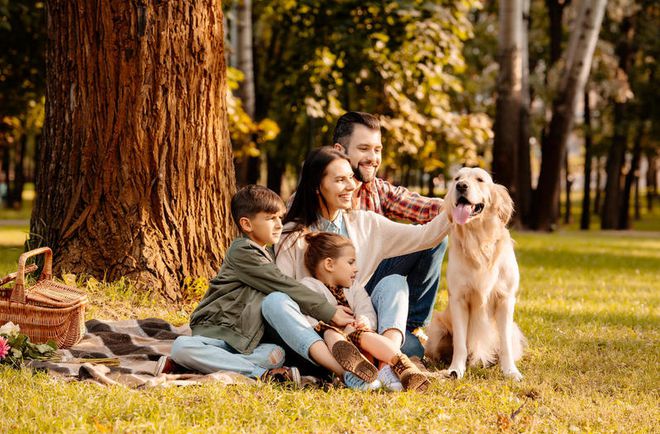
25 211
589 305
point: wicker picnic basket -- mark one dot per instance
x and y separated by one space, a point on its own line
46 311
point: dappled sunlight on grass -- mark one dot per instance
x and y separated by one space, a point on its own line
589 306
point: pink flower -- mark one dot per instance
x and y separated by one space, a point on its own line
4 348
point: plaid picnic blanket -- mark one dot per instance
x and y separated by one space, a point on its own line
126 352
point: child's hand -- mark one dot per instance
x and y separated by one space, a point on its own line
361 322
349 329
343 316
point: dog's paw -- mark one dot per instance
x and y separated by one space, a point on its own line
454 372
513 374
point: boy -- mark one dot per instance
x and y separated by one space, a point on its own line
227 326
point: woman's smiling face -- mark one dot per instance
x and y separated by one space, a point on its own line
337 186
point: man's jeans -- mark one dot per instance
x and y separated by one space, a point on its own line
283 314
422 271
208 355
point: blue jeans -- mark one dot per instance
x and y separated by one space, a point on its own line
422 272
284 315
208 355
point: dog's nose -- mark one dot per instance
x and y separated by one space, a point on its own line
461 187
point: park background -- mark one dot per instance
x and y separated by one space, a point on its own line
126 126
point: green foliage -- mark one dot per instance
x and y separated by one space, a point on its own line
22 66
403 60
247 135
20 349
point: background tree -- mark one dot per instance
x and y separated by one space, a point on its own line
136 170
22 32
575 72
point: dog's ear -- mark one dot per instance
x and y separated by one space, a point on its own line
502 202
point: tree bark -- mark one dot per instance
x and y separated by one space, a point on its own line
251 166
586 196
568 184
599 171
524 164
651 178
624 209
15 193
136 173
610 214
578 63
508 105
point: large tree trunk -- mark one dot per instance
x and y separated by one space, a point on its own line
586 196
136 172
508 105
576 70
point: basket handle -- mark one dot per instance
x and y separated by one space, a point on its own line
18 293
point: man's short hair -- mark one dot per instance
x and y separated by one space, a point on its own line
253 199
346 124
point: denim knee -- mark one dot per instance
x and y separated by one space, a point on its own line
181 348
392 287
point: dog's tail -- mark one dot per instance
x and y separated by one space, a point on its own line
482 339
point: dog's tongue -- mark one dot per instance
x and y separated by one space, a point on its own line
462 213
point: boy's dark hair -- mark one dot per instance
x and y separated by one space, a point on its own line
253 199
346 124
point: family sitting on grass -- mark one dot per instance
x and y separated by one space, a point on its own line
344 286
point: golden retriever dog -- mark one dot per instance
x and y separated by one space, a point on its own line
482 280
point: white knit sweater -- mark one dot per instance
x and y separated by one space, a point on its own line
375 238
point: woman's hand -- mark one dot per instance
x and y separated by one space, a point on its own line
343 316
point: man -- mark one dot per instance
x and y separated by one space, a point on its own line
358 135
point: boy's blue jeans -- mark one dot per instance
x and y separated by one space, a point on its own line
390 299
208 355
422 274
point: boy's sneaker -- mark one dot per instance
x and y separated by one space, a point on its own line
166 365
389 379
351 359
352 381
410 375
283 375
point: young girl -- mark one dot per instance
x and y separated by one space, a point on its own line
330 259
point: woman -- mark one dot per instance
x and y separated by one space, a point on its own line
323 202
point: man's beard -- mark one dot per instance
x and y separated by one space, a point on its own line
359 177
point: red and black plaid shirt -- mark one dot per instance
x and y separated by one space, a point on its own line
396 202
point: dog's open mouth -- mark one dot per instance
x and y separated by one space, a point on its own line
464 210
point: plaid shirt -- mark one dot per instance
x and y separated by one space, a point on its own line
396 202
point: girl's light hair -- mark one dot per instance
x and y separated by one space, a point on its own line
322 245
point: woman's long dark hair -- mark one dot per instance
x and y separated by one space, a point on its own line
305 209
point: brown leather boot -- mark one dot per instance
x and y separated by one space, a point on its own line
351 359
410 375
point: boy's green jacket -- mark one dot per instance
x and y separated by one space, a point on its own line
231 308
